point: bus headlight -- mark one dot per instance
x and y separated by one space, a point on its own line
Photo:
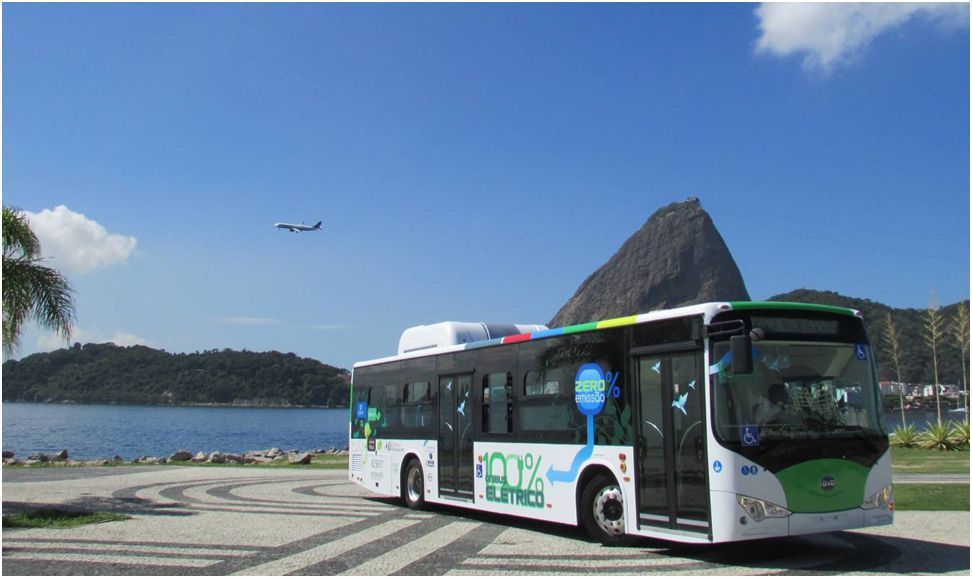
760 509
884 498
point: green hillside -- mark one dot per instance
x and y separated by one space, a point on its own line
916 359
106 373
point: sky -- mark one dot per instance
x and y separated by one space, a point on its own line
470 162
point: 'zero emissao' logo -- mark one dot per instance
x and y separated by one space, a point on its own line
592 386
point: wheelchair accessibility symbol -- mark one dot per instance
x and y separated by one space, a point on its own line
860 352
749 435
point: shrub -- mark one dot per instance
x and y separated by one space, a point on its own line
936 437
959 433
904 437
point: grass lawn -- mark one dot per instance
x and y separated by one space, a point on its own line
321 462
931 497
919 461
51 518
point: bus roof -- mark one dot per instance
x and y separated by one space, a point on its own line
707 310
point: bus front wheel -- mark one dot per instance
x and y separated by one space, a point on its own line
602 511
413 485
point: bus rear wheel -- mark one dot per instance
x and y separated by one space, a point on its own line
602 511
413 485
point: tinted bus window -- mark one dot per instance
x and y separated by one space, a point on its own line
418 407
497 403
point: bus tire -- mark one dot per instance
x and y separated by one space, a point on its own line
602 511
413 485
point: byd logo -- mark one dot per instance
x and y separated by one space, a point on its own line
828 483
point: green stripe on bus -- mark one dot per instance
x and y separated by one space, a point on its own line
581 327
790 305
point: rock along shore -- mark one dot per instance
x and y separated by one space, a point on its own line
272 455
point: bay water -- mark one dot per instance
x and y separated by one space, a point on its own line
131 431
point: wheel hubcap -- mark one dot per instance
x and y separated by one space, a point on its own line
414 485
609 510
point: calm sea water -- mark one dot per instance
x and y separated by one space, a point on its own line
91 431
920 419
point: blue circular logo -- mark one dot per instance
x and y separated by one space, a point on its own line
717 466
590 389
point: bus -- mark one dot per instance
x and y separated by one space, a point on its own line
710 423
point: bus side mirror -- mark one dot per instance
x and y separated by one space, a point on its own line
741 347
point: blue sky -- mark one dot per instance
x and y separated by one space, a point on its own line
470 162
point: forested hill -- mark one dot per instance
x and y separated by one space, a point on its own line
107 373
916 356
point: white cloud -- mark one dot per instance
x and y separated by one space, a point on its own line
833 34
51 341
77 244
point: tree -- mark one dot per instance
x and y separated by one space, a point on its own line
961 333
894 352
933 337
30 290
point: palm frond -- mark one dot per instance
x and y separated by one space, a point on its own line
33 291
18 239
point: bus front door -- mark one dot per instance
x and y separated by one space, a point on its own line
672 488
455 437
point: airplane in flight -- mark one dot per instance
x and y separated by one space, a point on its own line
298 228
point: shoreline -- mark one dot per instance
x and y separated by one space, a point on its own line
192 404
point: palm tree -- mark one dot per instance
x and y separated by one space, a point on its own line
894 351
30 290
933 338
961 334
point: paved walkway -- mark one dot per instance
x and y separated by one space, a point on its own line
931 478
219 521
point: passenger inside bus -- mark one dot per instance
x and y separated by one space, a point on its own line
774 406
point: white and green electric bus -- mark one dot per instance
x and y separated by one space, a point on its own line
709 423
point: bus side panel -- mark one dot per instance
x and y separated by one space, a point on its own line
539 481
379 470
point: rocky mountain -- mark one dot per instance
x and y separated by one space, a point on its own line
676 258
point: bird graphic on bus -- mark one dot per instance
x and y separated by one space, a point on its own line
680 402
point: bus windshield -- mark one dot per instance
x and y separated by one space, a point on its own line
798 391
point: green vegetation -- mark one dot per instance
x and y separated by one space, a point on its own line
107 373
320 462
919 461
52 518
959 434
324 462
904 436
916 362
952 435
933 497
936 437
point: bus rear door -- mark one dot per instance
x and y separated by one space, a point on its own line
455 437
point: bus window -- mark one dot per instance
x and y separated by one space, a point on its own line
543 408
497 403
384 398
417 406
